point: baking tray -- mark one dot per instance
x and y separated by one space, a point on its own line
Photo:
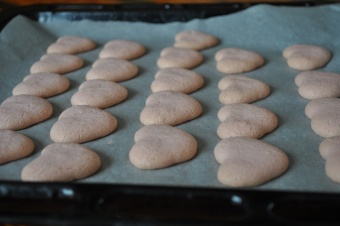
121 204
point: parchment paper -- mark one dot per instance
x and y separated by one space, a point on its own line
262 28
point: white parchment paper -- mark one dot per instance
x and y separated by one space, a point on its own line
262 28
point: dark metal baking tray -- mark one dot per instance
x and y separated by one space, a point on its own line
153 13
119 204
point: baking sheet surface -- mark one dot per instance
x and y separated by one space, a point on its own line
262 28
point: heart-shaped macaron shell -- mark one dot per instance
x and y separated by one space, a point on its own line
22 111
58 63
14 145
330 151
195 40
122 49
79 124
179 57
99 93
306 57
170 108
177 79
42 85
235 60
241 89
248 161
317 84
325 116
245 120
330 147
159 146
71 45
116 70
62 162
